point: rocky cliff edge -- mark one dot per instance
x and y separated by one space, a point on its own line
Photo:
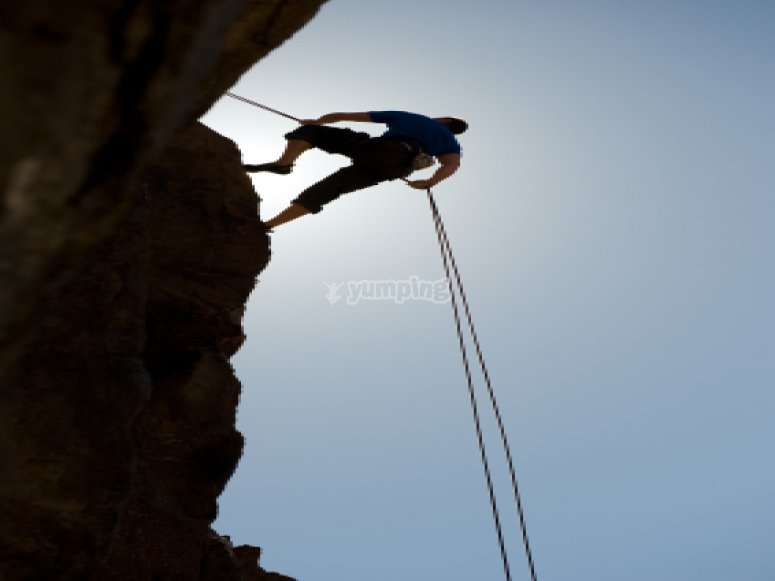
130 240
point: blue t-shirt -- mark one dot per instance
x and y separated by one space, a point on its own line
434 137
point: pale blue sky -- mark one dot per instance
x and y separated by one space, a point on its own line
612 222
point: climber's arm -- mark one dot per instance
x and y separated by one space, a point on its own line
448 164
335 117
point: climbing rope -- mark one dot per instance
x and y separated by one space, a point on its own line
445 257
264 107
448 259
451 270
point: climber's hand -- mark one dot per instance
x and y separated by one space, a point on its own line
310 121
420 184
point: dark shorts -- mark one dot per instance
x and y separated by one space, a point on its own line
374 160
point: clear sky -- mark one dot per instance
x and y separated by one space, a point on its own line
612 219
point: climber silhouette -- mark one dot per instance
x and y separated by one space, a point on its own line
390 156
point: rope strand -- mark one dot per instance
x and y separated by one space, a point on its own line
445 251
444 240
264 107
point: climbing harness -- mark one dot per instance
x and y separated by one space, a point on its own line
457 294
422 160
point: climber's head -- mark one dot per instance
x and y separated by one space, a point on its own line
455 125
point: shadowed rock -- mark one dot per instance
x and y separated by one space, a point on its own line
129 243
92 91
186 444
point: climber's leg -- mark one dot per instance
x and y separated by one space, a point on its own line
284 164
329 139
290 213
311 201
293 149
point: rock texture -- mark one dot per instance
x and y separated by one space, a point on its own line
129 242
92 90
119 421
186 444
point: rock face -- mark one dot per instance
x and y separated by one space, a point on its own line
184 436
91 91
121 414
129 242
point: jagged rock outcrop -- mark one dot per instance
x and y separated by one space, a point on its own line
129 242
91 91
128 393
185 439
121 413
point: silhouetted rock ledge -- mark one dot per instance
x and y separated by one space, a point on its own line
130 240
122 412
205 247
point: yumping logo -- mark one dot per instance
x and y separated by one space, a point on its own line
399 291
